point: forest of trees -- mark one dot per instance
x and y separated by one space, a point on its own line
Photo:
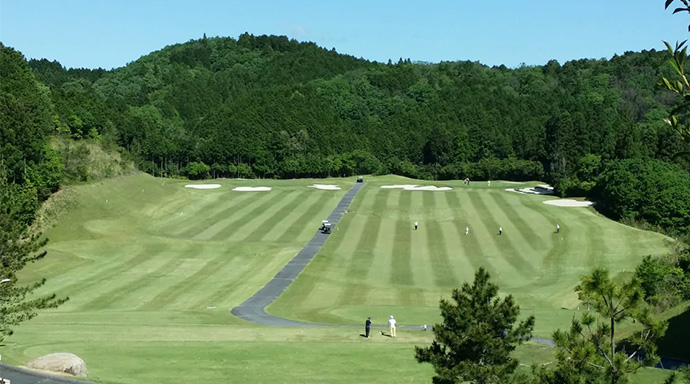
270 107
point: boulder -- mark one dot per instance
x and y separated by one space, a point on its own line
60 363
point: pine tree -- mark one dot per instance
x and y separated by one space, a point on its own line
477 335
18 247
588 352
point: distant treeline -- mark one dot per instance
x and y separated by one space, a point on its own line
270 107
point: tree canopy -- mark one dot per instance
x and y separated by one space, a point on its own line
478 333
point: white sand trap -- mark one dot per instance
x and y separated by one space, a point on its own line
399 186
252 189
202 186
328 187
428 188
415 187
538 190
568 203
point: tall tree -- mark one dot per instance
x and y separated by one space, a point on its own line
478 333
588 352
18 247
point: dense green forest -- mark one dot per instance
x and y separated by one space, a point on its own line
271 107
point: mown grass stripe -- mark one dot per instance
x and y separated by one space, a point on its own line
509 251
422 270
401 253
282 223
192 223
563 255
185 211
202 224
271 222
240 221
525 229
436 244
211 269
229 287
360 260
133 282
296 227
486 250
470 244
85 283
440 261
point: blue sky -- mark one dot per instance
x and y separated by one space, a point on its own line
109 33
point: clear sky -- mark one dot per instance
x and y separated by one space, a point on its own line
111 33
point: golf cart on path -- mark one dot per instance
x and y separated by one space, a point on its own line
325 227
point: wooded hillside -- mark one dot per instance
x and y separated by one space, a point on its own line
267 106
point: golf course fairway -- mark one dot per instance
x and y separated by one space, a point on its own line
152 270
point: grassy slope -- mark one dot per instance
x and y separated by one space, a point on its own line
377 265
141 260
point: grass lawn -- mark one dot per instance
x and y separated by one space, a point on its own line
378 265
145 262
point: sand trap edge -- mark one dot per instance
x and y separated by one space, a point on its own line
202 186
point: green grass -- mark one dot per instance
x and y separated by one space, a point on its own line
377 265
141 260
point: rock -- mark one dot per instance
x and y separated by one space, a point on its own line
60 363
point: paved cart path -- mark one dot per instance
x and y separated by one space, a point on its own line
254 308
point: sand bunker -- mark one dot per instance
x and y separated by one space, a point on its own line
569 203
399 186
202 186
538 190
428 188
328 187
252 189
415 187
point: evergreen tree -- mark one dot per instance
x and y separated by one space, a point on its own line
588 352
18 247
478 333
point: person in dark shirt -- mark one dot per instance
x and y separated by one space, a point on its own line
367 326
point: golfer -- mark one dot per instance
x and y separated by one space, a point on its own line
467 231
558 228
367 327
416 224
391 326
500 230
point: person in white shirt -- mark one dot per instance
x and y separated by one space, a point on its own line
416 224
467 230
391 326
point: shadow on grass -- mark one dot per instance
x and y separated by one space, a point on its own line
675 343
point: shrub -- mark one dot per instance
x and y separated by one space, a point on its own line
197 170
647 190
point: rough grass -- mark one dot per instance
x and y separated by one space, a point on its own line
88 160
142 259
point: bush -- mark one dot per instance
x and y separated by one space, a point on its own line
647 190
663 281
197 170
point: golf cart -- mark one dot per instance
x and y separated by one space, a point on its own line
323 224
360 179
326 228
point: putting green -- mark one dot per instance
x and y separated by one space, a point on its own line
144 261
